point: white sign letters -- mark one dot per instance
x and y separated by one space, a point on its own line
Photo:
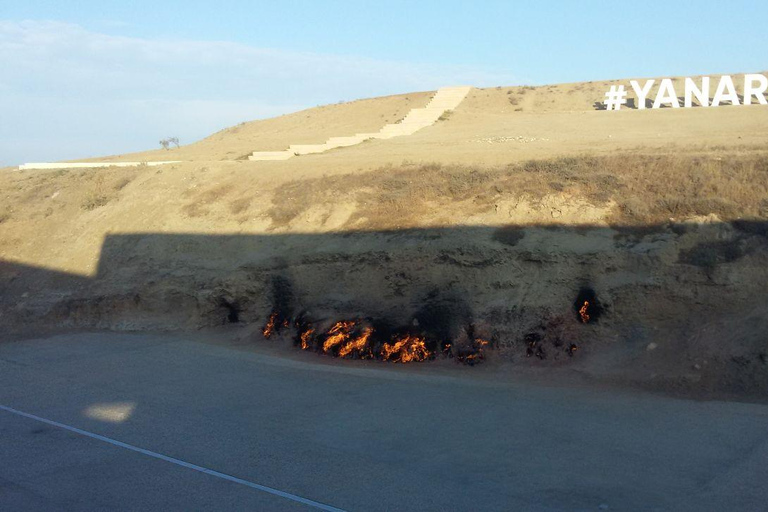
754 88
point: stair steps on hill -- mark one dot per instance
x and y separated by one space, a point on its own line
446 98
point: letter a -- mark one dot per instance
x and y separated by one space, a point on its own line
726 82
666 94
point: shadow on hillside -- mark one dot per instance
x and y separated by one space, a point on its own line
632 103
213 278
689 285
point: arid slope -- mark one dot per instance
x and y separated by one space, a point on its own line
497 215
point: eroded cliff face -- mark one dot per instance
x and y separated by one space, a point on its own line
682 304
647 268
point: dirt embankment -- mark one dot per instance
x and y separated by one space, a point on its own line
671 252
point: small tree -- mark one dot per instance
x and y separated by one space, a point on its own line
170 140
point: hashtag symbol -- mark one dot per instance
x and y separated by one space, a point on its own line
615 98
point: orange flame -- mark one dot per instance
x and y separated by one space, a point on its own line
472 354
583 312
353 338
269 328
360 344
306 338
405 349
337 334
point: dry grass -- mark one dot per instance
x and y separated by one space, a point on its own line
121 183
198 207
96 194
240 205
48 194
647 189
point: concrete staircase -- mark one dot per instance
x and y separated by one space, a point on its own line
446 98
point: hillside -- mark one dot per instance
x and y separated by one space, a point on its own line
490 126
499 215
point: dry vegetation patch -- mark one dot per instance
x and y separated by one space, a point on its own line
30 194
199 205
647 189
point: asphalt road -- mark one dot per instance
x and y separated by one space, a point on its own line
348 435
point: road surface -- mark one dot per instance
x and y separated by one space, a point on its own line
167 422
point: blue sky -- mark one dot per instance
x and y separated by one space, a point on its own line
95 77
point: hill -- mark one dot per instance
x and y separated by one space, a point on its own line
499 216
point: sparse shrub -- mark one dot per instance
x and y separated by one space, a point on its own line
635 209
96 196
121 183
514 100
94 200
166 143
445 115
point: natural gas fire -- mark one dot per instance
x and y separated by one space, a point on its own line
273 323
587 306
337 334
405 349
358 339
584 312
432 333
306 338
269 327
359 345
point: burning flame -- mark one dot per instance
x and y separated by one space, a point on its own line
356 339
472 354
583 312
306 338
360 345
405 349
338 333
269 328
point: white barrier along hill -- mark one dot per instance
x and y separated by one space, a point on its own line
87 165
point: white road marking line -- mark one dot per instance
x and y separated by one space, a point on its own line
178 462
